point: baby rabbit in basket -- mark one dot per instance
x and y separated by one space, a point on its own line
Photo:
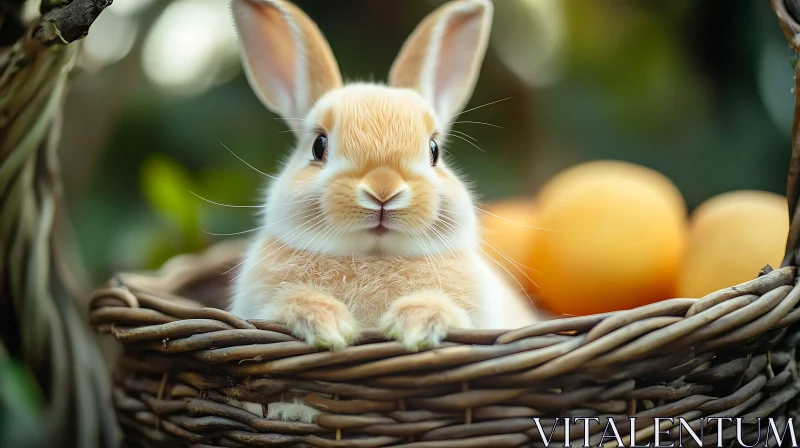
367 225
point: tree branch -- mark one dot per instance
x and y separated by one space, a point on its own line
68 23
40 324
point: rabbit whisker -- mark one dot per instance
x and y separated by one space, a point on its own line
478 107
453 225
258 228
514 222
447 227
432 263
324 231
438 253
479 122
234 233
300 201
328 235
446 215
283 245
243 161
225 205
446 241
306 214
516 264
473 144
308 202
446 211
509 273
269 245
465 135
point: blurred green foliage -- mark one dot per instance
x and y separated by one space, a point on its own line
165 183
20 407
697 90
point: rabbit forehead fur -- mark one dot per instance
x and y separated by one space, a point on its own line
374 124
378 136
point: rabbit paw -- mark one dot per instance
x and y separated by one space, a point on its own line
319 319
422 320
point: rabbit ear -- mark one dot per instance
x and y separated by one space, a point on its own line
288 62
442 57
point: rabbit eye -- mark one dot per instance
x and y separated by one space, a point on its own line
434 152
319 147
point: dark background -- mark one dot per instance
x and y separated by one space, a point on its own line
698 90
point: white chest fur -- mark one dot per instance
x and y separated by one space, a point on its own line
368 284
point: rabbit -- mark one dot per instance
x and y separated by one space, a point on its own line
367 225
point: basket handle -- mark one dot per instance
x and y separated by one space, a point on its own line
787 11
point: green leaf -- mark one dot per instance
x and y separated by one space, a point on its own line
168 188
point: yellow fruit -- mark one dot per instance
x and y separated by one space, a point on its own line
732 236
618 237
507 230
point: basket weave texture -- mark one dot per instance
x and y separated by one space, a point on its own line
193 375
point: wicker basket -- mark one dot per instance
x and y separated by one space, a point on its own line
193 375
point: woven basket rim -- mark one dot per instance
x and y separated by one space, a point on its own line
158 291
211 363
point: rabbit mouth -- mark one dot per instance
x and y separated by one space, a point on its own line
380 220
379 230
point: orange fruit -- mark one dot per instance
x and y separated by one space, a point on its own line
617 241
732 236
508 230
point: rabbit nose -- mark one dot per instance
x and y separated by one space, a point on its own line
383 188
381 200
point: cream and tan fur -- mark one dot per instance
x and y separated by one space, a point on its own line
375 233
